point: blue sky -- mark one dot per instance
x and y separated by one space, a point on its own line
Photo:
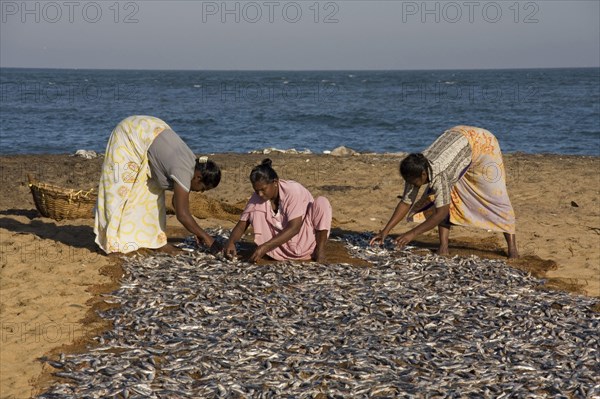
300 35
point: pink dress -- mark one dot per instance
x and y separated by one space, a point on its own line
294 201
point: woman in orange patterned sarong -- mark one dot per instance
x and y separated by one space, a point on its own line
466 185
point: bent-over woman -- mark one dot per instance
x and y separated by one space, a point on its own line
287 222
466 185
144 157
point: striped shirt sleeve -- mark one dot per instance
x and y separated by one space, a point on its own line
449 155
410 193
442 187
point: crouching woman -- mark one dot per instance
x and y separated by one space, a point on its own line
288 223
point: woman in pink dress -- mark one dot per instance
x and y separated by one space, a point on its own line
288 223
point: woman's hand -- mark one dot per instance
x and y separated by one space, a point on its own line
379 237
259 252
404 239
438 216
206 241
215 247
229 251
399 213
284 236
182 211
237 232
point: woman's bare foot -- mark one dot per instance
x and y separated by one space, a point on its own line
318 256
511 242
444 233
169 249
443 251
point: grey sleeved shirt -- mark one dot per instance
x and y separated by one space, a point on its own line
171 160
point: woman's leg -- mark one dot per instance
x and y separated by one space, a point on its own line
321 238
444 233
321 219
511 241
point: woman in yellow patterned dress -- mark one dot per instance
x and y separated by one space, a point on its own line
466 185
144 157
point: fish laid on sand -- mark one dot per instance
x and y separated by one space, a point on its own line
196 326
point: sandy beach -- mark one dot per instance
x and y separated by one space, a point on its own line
53 275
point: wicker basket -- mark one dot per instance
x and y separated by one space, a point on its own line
62 203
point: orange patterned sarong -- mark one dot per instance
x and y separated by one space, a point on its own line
479 198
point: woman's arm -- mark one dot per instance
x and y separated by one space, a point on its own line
181 202
399 213
438 217
292 228
234 237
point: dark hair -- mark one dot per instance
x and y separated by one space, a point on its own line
263 172
413 166
210 172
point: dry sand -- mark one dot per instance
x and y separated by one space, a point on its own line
52 273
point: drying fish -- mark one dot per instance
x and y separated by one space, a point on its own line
198 326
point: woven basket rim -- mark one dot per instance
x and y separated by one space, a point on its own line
62 203
55 190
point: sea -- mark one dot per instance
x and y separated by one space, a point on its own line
60 111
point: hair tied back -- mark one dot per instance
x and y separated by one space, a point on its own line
263 172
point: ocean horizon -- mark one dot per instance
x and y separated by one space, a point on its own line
530 110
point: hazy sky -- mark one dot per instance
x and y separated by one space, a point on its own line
299 34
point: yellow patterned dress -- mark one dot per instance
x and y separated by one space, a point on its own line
479 198
130 212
